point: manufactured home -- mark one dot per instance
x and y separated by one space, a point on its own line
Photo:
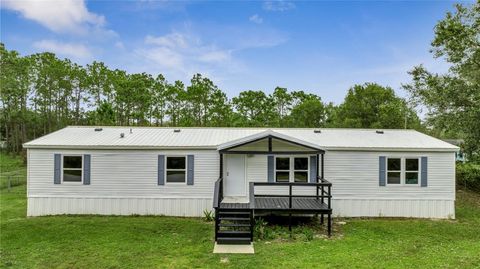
240 173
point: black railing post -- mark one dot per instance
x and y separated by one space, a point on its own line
329 224
290 196
216 224
323 194
220 170
252 223
252 208
329 196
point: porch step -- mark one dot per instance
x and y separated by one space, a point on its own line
233 226
235 213
235 218
224 234
234 240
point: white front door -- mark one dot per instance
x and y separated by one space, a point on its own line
235 183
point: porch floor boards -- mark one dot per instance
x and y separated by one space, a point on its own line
281 203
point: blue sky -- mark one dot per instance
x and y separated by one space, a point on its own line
319 47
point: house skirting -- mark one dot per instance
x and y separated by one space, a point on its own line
182 207
412 208
194 207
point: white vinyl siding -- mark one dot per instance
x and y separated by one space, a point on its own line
356 192
124 182
123 173
354 175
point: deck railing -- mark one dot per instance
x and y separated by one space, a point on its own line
322 191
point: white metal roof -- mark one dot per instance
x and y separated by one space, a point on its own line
154 138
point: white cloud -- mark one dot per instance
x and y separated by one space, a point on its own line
182 53
74 50
119 45
215 53
172 40
164 57
256 19
59 16
215 56
278 5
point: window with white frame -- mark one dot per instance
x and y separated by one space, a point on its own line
300 173
291 169
282 169
72 168
411 170
403 171
394 170
176 169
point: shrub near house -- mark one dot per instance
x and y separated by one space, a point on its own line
468 176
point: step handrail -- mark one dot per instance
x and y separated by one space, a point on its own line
218 193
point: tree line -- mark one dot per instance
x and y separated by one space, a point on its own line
41 93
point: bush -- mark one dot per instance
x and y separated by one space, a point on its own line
308 233
468 176
208 215
262 231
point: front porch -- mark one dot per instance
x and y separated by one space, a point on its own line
234 222
294 184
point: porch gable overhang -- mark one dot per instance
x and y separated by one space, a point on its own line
232 147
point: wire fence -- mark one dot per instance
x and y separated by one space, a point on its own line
10 180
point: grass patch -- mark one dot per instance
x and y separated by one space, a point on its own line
169 242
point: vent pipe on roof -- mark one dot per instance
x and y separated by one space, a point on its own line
379 131
176 130
122 135
317 131
131 131
98 129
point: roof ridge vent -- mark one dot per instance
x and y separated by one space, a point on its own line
176 130
379 131
317 131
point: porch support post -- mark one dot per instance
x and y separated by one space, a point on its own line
290 223
269 144
221 166
322 177
323 167
316 177
329 224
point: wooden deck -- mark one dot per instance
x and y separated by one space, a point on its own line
240 216
307 204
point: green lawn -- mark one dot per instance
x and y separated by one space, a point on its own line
158 242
